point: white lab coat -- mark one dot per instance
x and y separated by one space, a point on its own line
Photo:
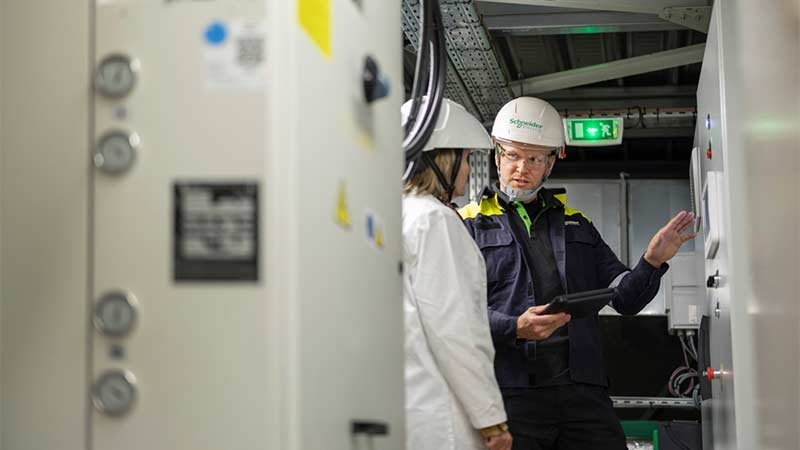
450 387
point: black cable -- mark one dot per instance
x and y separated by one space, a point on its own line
439 66
433 51
435 42
423 72
422 55
436 93
434 103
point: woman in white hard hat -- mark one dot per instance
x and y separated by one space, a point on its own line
452 398
550 367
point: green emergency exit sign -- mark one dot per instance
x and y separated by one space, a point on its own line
596 131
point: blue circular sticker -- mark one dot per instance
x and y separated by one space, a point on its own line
216 33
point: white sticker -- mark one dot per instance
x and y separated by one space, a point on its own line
235 54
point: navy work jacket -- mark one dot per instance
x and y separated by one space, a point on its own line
584 262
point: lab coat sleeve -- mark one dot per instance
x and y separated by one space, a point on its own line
450 288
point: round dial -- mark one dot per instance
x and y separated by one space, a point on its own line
116 75
114 392
116 151
115 314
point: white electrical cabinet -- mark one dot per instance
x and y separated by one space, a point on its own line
200 225
711 140
746 194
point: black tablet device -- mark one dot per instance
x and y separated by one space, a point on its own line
581 304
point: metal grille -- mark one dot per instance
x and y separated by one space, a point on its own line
479 174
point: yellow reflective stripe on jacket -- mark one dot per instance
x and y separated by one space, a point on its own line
491 207
487 207
567 210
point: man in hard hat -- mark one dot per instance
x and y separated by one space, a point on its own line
452 398
550 368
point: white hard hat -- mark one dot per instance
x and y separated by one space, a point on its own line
529 120
455 128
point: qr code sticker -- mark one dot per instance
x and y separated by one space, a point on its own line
250 51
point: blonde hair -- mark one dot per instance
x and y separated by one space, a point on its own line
425 181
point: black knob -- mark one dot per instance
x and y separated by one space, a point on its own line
713 280
376 86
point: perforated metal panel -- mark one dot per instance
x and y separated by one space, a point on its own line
479 176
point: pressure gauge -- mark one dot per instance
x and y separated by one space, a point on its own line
115 314
114 392
116 75
115 151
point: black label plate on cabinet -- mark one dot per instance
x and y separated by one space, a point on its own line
216 232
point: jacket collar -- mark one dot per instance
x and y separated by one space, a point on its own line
546 196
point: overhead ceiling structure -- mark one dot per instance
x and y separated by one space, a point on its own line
640 59
474 76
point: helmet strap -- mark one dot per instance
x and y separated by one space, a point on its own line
449 187
454 172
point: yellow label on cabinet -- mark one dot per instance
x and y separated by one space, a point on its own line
315 18
342 213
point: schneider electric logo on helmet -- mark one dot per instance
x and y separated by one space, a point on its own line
525 124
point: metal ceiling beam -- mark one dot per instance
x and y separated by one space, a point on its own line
633 103
585 22
662 169
658 133
624 92
672 42
517 63
696 18
609 71
649 98
634 6
616 54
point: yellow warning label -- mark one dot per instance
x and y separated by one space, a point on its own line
315 18
342 214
